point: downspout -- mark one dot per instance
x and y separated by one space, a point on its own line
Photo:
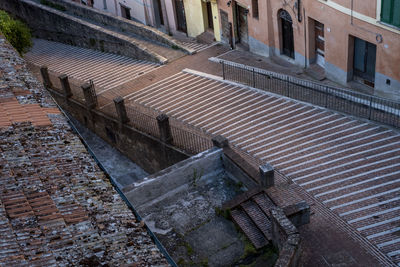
351 16
305 38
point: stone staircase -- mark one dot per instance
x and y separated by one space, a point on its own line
251 212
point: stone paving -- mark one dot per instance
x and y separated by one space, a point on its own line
57 207
345 164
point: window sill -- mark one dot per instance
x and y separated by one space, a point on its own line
389 25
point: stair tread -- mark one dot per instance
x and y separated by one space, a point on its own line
249 228
264 202
258 217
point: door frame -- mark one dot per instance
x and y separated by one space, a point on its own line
363 76
285 17
238 38
178 25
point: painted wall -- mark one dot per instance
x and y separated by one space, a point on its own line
194 17
140 10
217 30
265 36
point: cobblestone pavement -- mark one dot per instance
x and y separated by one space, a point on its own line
57 207
348 166
351 166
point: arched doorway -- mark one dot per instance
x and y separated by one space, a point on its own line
287 33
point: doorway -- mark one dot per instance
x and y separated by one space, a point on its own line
287 34
159 18
364 61
210 16
242 32
319 43
125 12
180 16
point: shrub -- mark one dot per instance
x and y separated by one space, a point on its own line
16 32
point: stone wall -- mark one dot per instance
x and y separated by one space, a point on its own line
51 24
286 238
128 26
146 151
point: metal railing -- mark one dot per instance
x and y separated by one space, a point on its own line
338 99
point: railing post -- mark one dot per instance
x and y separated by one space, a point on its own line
121 111
287 85
90 96
370 108
164 128
267 175
326 96
220 141
65 86
254 78
45 76
223 70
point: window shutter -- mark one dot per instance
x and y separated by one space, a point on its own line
396 13
386 10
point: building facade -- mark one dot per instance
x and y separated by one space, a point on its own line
190 17
352 40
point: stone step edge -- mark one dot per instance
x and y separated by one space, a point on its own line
249 228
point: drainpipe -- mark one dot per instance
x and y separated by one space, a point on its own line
305 38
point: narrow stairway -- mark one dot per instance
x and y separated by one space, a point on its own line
253 218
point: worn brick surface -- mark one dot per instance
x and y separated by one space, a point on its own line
57 207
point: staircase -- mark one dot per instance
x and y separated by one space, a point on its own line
253 216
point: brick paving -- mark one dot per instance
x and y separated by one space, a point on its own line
57 207
330 155
340 162
106 70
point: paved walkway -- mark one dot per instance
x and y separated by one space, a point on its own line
350 166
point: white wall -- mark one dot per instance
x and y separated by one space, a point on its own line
137 8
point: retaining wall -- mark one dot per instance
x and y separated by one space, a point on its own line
51 24
130 26
146 151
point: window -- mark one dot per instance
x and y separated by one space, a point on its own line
254 5
390 12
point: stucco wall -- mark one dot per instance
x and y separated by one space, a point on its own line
194 17
265 34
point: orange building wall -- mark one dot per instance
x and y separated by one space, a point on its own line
338 37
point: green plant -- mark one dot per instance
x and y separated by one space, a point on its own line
92 42
226 213
196 176
16 32
53 5
175 47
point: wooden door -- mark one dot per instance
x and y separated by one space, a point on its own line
287 39
241 25
364 60
180 16
210 16
320 43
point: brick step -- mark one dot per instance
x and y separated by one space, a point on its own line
259 218
249 228
264 202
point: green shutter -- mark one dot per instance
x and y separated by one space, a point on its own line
386 11
396 13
